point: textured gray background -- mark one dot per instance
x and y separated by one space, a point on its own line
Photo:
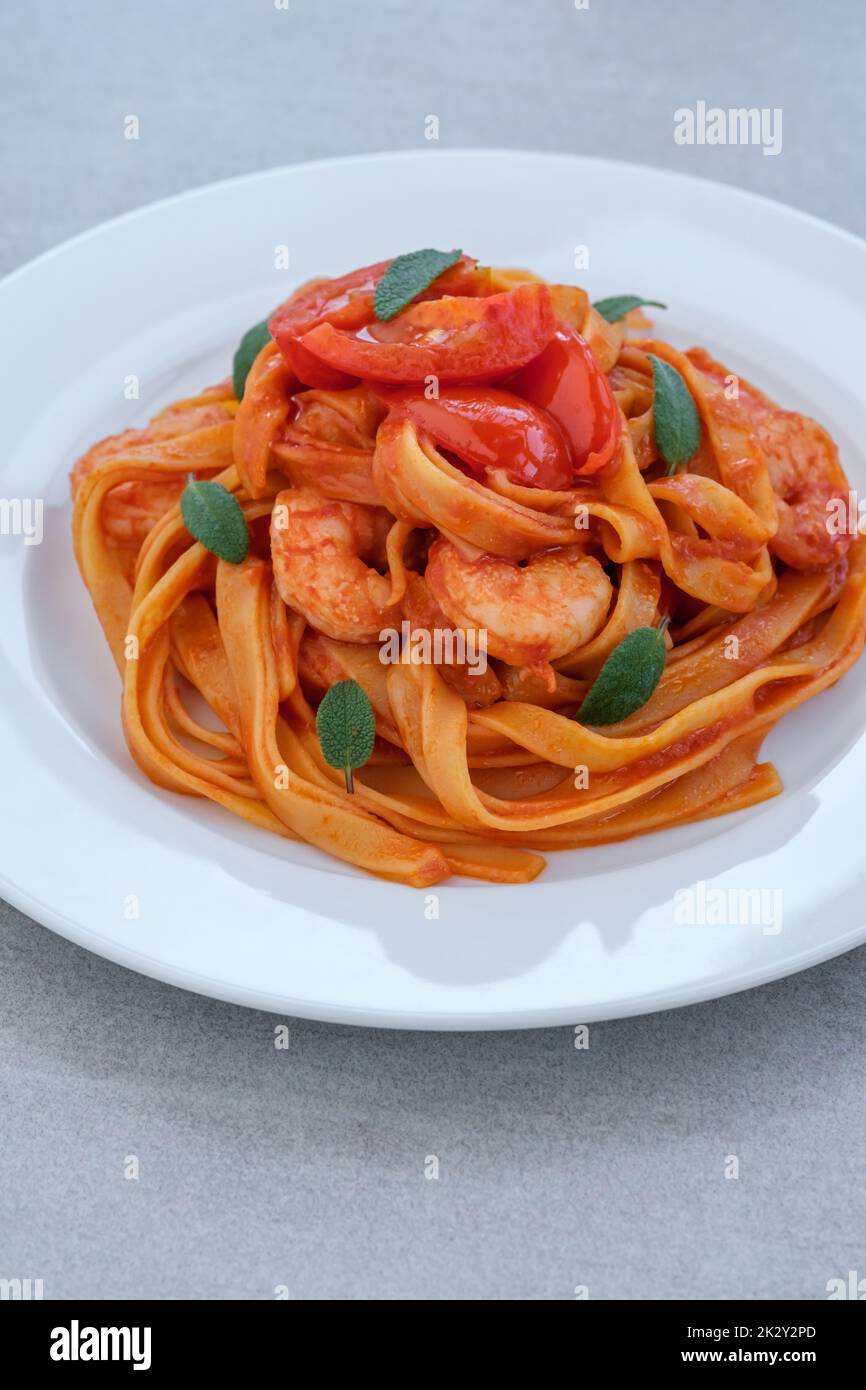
306 1168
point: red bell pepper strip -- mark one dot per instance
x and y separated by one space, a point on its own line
452 339
347 302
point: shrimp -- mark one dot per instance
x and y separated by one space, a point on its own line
805 474
131 509
532 613
478 687
319 547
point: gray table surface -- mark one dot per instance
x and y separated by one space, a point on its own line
305 1168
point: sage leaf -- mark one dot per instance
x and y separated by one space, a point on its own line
214 517
618 305
676 422
346 728
407 276
627 679
249 348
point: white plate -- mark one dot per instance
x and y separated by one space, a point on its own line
164 294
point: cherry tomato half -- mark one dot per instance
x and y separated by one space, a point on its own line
453 339
488 428
566 381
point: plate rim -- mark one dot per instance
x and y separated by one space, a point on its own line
417 1020
381 156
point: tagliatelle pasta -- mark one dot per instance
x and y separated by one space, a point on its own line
462 506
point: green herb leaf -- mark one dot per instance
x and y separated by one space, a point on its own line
627 679
675 416
346 727
214 517
250 346
407 276
618 305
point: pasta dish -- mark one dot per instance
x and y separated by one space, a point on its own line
459 568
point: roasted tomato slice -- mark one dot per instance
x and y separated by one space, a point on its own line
453 339
487 428
347 302
566 381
